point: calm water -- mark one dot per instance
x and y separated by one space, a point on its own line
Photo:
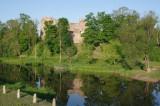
83 89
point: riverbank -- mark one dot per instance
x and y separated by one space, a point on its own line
9 99
83 67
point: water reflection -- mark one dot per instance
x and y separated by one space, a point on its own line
76 95
72 89
156 94
75 100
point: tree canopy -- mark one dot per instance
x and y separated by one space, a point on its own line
100 28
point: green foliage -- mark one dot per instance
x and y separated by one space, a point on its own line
71 51
16 86
64 34
9 39
65 37
58 37
131 45
18 36
41 50
100 28
52 38
110 53
84 53
28 33
137 38
23 42
154 54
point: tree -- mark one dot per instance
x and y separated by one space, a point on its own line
65 38
131 45
28 33
18 36
51 38
129 35
9 41
2 32
100 28
123 16
148 23
71 51
137 36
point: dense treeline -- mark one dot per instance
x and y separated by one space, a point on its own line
17 36
136 38
123 37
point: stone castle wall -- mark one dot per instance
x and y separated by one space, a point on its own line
76 30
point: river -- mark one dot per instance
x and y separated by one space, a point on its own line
81 89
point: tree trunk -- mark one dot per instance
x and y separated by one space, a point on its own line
60 47
60 84
146 90
147 63
158 42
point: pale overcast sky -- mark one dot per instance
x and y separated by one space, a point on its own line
71 9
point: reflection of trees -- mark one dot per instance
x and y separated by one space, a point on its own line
101 91
136 95
110 90
11 73
60 83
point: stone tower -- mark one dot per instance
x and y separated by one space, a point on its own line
76 30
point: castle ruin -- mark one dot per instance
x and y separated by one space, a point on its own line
76 29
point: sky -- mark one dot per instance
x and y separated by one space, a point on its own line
74 10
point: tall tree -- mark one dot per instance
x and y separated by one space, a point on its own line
148 24
10 35
137 36
52 38
100 28
28 33
128 32
65 38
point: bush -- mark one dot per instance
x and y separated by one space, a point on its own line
155 54
109 52
41 50
84 53
93 61
140 65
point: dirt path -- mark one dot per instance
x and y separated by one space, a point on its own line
147 76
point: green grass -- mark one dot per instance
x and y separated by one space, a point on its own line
15 86
84 67
45 95
9 99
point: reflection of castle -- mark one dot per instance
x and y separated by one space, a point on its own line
76 29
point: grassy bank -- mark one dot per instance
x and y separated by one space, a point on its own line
44 95
85 67
9 99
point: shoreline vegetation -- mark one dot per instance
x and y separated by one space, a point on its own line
101 68
123 42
